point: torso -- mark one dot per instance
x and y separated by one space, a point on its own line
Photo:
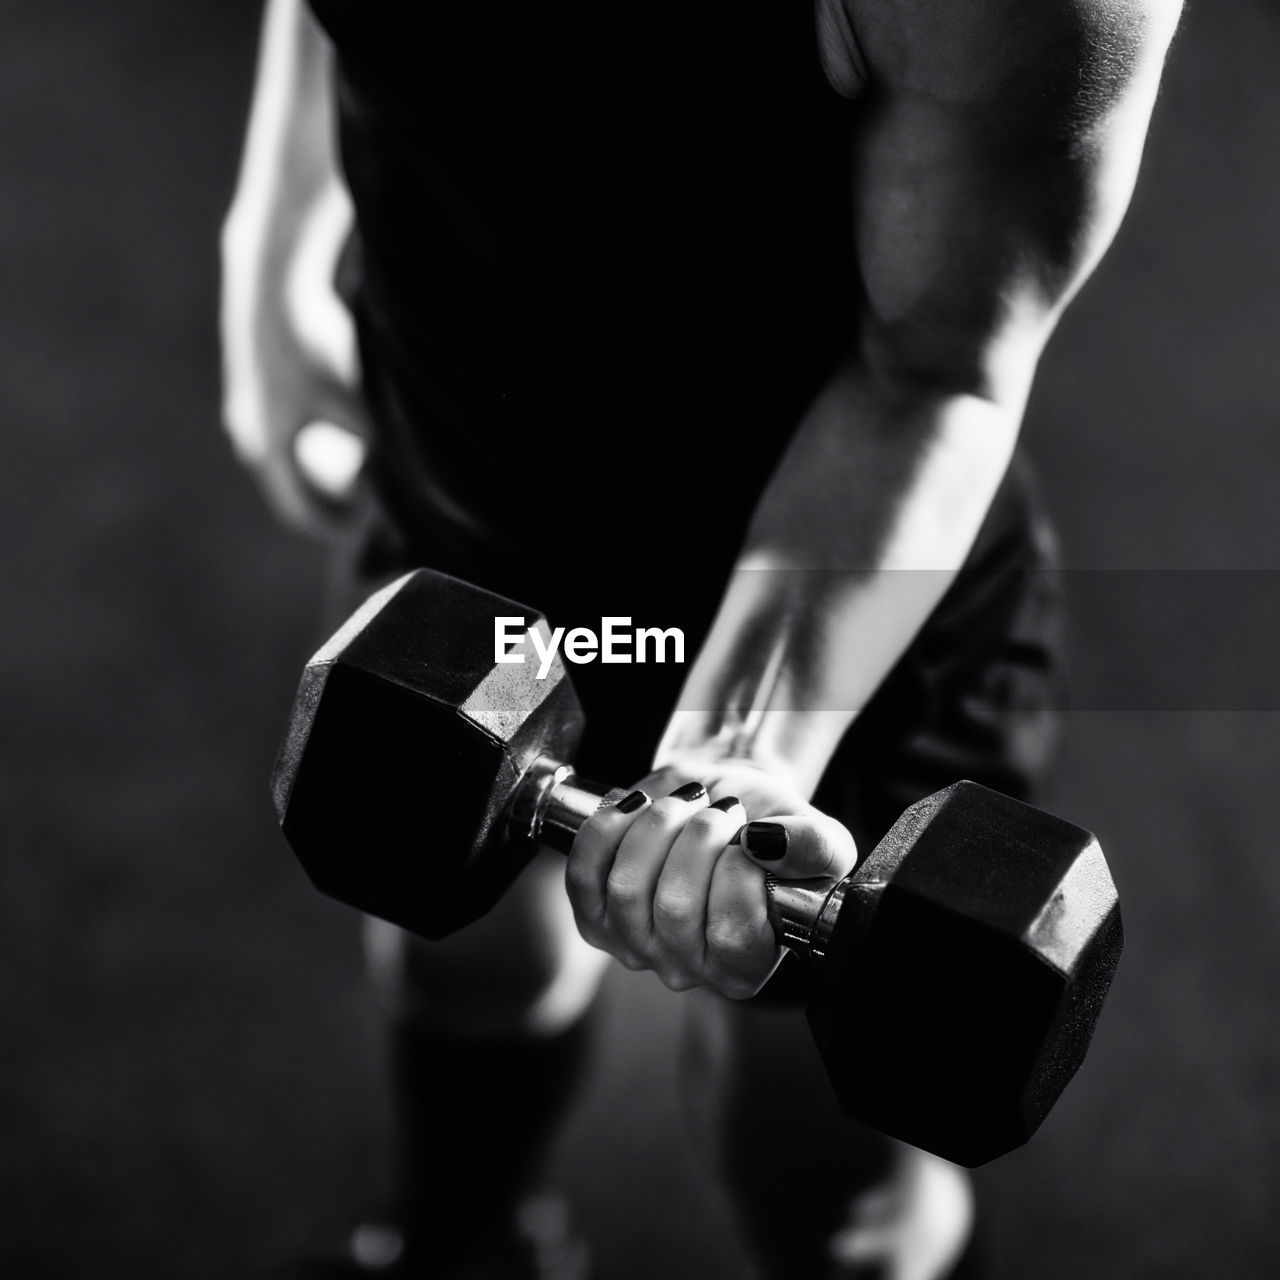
589 231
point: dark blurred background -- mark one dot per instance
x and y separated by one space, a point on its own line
189 1083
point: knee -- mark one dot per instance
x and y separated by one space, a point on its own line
521 969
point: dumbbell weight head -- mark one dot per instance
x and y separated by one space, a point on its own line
984 933
962 965
405 746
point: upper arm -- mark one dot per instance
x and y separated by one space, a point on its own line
997 151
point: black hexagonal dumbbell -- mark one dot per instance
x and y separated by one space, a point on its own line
961 966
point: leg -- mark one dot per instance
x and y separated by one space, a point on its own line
488 1032
488 1035
817 1196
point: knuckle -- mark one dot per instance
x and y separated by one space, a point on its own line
833 845
579 878
591 932
586 914
676 906
737 988
729 939
705 820
662 813
819 861
624 885
594 828
674 980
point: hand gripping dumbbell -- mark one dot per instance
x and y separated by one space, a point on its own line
960 969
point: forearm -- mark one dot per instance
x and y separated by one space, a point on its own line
989 177
291 402
289 191
289 148
854 541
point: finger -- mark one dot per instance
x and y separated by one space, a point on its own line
301 474
680 900
638 866
291 499
742 949
330 458
326 457
800 846
591 860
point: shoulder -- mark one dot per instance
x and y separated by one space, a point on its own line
977 50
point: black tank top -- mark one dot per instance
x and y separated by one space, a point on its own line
604 260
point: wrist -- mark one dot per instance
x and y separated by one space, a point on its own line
690 750
789 744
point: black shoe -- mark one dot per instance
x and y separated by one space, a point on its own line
541 1244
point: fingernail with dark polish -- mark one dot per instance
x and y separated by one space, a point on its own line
726 804
737 836
690 791
629 804
765 841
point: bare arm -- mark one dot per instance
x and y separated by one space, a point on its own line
291 399
998 149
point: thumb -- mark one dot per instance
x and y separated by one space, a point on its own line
800 846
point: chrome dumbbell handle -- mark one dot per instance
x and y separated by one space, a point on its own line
552 802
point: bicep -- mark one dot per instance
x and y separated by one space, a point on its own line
992 167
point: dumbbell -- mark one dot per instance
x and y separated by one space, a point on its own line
959 970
